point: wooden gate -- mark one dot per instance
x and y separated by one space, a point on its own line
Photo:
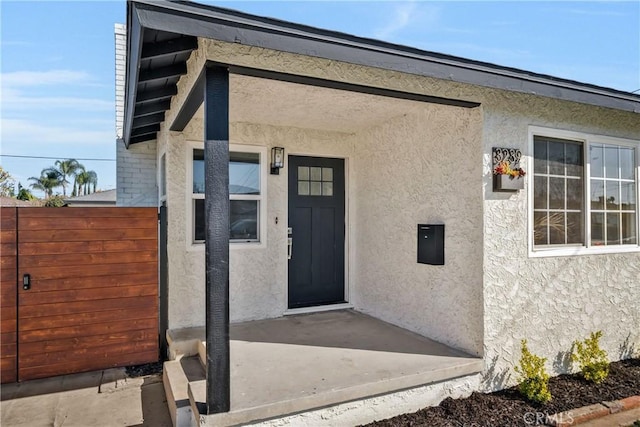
87 289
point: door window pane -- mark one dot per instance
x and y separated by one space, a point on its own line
327 188
303 173
316 174
303 188
316 189
327 174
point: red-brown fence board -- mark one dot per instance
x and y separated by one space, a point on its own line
93 301
8 295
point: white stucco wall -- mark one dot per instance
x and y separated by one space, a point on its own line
550 301
423 168
486 298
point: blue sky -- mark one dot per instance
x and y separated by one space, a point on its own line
58 57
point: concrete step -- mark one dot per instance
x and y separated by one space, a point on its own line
176 377
202 353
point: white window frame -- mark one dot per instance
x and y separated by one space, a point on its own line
586 139
261 198
162 178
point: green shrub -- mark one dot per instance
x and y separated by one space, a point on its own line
54 202
592 360
534 380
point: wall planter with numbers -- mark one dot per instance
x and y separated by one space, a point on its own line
508 176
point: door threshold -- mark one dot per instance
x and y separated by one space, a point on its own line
317 308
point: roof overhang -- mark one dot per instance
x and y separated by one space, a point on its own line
162 34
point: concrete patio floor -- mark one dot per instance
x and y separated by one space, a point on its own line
302 362
100 398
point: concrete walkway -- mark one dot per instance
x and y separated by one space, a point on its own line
100 398
621 419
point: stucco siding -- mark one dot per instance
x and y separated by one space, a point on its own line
422 168
550 301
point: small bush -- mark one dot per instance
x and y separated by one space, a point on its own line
534 380
592 360
54 202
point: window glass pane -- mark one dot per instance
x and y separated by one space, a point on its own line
316 174
327 174
627 163
198 171
574 194
596 156
303 173
163 175
540 192
327 188
540 156
597 229
611 165
597 194
303 188
629 229
243 220
557 229
316 188
556 158
540 228
556 193
573 159
628 196
244 173
575 227
613 229
199 220
612 193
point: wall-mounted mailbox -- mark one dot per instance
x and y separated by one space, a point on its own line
431 244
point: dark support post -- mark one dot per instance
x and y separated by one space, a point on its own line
216 190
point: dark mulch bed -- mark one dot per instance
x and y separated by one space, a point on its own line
508 408
144 370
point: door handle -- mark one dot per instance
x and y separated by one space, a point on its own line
289 242
26 282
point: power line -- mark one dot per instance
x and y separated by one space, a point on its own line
54 158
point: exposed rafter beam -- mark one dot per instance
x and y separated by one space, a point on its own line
191 104
163 73
169 47
142 138
151 108
151 119
144 130
156 94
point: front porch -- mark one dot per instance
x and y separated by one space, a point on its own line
301 363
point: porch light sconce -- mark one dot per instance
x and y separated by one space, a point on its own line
277 160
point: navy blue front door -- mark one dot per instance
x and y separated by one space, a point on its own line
316 222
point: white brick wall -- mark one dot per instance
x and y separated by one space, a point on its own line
121 61
136 167
136 174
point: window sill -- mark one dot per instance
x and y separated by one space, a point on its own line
199 247
579 251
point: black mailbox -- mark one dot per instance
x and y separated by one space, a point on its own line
431 244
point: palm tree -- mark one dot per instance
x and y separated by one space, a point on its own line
93 180
48 180
81 180
67 168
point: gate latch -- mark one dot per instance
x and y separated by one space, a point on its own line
26 282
